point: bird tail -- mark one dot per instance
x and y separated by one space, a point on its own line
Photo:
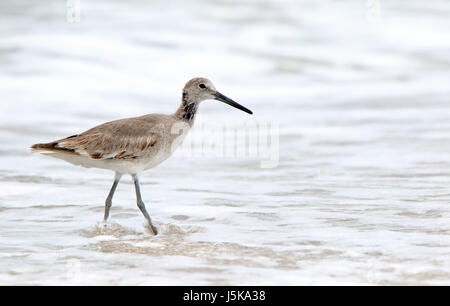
44 147
53 147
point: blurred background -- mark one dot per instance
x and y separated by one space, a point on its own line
359 89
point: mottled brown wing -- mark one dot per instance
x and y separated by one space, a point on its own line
120 139
108 145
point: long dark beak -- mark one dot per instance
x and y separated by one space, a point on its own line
228 101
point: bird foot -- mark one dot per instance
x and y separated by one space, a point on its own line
152 229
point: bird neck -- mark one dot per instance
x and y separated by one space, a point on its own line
187 109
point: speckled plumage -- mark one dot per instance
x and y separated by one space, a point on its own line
129 145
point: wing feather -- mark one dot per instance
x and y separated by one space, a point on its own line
120 139
109 146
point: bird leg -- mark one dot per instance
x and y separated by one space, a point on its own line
108 201
141 204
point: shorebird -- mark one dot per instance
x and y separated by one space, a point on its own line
133 145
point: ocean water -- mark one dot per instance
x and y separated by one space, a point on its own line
354 93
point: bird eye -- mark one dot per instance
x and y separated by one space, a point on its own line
202 86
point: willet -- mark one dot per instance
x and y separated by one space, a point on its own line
132 145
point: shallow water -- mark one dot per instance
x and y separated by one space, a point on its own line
361 190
